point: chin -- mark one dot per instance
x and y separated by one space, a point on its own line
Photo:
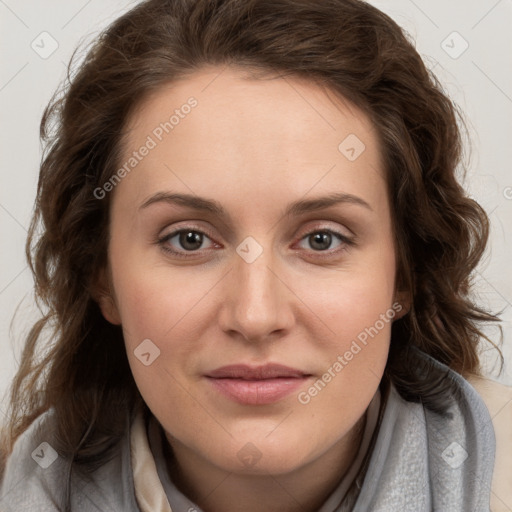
257 455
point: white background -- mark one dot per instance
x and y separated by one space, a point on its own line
479 80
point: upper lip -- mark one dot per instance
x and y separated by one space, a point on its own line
247 372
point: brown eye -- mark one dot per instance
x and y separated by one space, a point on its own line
323 240
181 241
190 240
320 241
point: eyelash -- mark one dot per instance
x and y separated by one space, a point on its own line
344 240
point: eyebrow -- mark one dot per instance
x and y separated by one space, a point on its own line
296 208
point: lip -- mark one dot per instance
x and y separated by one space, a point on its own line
256 385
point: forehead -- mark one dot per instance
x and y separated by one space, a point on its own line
220 128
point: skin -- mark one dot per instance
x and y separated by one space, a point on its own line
254 146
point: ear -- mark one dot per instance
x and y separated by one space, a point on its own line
103 295
402 303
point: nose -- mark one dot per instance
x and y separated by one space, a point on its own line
258 303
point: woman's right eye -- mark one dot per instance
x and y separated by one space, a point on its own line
181 241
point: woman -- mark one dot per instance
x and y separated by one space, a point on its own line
255 259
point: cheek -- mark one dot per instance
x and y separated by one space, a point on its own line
348 302
354 357
171 309
156 303
356 310
159 309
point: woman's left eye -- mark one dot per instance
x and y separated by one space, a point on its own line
322 240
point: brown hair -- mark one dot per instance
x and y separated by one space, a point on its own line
347 46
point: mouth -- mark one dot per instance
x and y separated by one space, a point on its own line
258 385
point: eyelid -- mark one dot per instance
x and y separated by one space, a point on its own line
188 226
324 226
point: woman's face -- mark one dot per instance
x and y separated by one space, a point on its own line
259 335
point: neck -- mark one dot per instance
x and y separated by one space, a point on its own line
304 489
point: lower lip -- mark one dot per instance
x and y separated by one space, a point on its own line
257 392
